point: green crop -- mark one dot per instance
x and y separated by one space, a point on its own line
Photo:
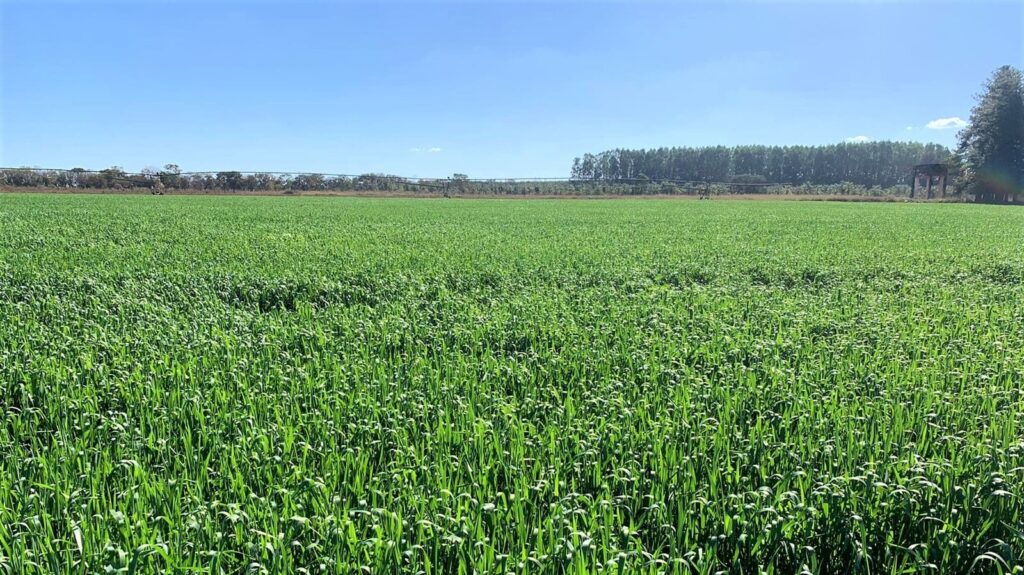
340 385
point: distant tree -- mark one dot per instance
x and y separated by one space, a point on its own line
992 145
229 180
882 164
577 169
307 182
170 176
263 181
460 182
958 178
113 177
71 178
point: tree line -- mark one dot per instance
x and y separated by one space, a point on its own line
870 164
988 164
171 178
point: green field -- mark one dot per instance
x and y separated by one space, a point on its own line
343 385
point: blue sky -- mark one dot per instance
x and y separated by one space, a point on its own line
489 89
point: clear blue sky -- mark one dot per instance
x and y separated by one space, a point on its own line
492 90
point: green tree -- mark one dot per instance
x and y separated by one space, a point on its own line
170 176
229 180
992 145
880 164
459 183
113 176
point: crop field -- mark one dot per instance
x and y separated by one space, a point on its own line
353 385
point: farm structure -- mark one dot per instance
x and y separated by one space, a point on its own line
929 181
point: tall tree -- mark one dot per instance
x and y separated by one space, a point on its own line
881 164
992 145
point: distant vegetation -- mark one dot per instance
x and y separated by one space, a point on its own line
868 169
871 164
988 164
172 179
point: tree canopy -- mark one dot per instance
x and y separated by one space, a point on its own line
866 164
992 146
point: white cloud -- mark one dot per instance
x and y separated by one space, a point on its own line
431 150
946 123
910 128
858 140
